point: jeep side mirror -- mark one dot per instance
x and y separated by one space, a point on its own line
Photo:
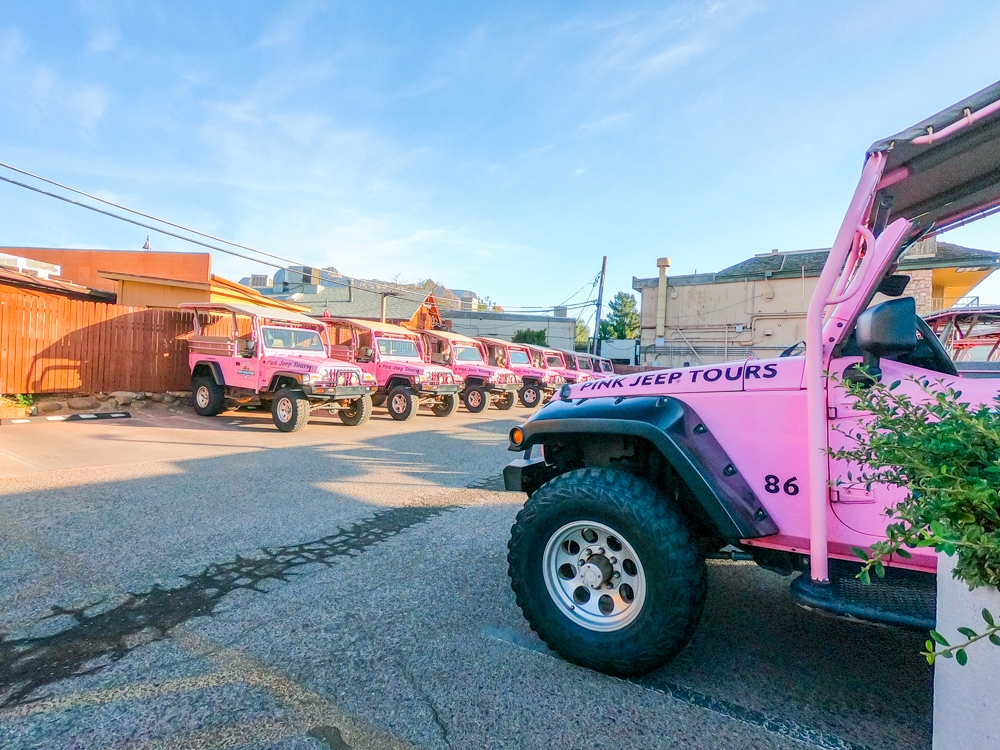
446 357
893 286
366 354
886 330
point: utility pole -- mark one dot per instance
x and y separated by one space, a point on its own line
600 299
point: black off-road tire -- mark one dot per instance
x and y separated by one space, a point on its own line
530 396
403 403
479 397
378 398
673 565
359 412
506 401
208 396
447 406
290 410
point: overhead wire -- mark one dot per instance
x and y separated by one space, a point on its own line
393 289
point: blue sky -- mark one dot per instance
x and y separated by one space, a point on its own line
498 147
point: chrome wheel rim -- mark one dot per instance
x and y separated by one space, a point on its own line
530 395
594 576
203 396
399 403
475 398
283 409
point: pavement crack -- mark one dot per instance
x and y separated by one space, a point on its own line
435 714
94 641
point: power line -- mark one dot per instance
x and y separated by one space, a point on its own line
397 290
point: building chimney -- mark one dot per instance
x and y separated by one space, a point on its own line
661 299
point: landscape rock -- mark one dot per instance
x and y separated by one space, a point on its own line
119 395
49 407
179 394
101 396
140 396
168 399
83 402
123 400
156 397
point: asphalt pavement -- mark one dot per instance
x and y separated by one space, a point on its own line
170 581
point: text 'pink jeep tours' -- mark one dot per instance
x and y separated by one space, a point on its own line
245 353
632 480
395 357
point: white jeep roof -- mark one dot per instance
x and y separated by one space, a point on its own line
260 311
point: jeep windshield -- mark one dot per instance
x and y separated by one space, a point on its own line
398 348
554 360
519 357
293 339
468 354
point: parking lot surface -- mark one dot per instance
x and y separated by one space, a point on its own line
170 581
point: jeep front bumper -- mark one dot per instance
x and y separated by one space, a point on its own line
503 389
439 390
338 392
526 474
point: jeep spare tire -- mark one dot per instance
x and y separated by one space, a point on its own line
290 410
209 397
359 412
606 570
476 398
403 403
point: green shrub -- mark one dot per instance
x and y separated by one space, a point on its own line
946 454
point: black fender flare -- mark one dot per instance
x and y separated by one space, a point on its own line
213 368
279 376
679 434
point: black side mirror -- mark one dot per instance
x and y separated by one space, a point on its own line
893 286
886 330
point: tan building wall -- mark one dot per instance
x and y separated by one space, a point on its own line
712 318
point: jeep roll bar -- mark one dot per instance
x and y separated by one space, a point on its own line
939 174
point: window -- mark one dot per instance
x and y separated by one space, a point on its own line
397 348
468 354
296 339
519 357
554 360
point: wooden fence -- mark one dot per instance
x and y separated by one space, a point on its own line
53 344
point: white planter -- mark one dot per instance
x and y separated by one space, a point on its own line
966 699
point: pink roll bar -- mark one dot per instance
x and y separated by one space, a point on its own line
817 360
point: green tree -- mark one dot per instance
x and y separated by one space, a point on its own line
582 333
607 331
528 336
623 320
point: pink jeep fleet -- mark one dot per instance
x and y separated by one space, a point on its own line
632 480
565 363
395 357
537 383
467 358
247 353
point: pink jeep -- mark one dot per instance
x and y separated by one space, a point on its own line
537 382
565 363
467 358
244 352
395 357
632 480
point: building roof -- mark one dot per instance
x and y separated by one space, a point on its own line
809 263
349 301
54 287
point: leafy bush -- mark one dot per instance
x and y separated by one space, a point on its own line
946 454
529 336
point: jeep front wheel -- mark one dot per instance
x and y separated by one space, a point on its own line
403 403
359 412
476 398
607 571
209 396
530 395
447 406
290 410
506 401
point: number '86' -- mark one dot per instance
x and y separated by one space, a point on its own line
772 484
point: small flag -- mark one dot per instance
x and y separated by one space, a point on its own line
146 246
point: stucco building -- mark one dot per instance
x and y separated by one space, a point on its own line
758 307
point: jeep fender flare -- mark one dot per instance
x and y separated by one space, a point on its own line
397 380
206 367
280 379
680 436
